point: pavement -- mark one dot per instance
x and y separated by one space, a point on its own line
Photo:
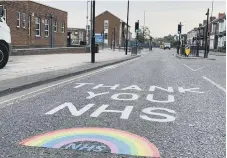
24 70
214 53
153 106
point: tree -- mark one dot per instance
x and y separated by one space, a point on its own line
144 35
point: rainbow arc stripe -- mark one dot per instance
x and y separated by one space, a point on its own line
119 142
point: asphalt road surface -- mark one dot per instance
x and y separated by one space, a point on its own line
155 106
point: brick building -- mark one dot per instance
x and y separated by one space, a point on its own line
106 22
35 25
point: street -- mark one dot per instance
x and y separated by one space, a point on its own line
153 106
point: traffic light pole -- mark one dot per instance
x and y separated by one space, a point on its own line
114 39
206 34
179 32
136 41
93 34
126 45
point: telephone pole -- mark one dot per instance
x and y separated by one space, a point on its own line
206 34
93 33
126 49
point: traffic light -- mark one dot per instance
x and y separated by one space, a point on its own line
136 26
179 28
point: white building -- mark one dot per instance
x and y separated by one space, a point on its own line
190 35
222 33
218 33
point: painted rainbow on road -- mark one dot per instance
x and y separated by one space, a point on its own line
119 142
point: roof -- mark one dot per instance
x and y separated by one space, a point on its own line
112 15
220 18
38 2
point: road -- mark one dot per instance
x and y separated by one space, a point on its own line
156 105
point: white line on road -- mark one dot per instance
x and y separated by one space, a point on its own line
68 81
215 84
193 69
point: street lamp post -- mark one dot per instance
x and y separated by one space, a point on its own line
126 49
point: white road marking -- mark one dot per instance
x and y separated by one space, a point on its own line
215 84
68 81
194 69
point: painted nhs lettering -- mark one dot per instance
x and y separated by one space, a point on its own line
92 94
130 96
152 88
72 109
83 146
148 114
123 93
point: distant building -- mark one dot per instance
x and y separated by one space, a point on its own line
106 22
35 25
216 33
77 35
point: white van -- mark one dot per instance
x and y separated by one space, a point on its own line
5 40
167 46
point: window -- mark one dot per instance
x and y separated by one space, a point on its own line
55 26
37 27
105 36
23 20
4 17
81 36
29 25
63 27
46 28
18 19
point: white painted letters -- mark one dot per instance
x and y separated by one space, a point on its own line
150 97
124 114
132 87
101 85
150 111
132 95
81 84
73 110
152 89
92 94
193 90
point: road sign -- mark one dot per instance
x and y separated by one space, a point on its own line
99 38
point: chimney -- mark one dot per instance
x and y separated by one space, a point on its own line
212 18
200 25
204 22
221 15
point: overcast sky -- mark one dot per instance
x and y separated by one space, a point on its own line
162 17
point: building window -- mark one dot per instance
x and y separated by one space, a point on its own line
23 20
37 27
46 28
29 25
4 17
63 28
81 36
55 26
18 19
105 36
